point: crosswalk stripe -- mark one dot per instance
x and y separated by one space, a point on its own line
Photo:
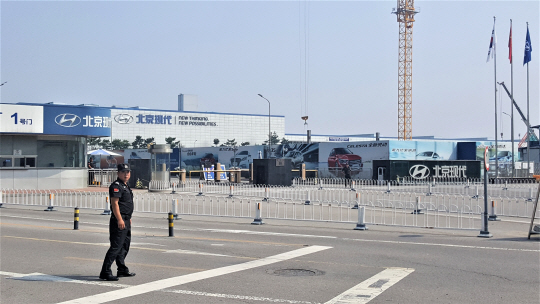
184 279
372 287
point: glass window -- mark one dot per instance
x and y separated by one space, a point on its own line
61 153
6 162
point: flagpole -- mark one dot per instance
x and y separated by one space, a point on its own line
512 99
528 130
495 69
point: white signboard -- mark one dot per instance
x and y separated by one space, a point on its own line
21 119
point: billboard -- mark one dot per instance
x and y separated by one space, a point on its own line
426 170
90 121
422 150
504 157
359 156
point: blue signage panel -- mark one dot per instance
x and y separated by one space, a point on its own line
77 121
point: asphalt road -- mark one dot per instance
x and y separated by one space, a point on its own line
228 260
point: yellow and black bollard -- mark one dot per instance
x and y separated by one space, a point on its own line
171 224
76 219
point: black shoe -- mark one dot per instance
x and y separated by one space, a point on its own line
108 277
125 274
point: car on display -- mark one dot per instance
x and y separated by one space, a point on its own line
208 160
297 158
340 156
502 156
242 160
428 155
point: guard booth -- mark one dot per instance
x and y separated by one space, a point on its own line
272 171
140 170
160 163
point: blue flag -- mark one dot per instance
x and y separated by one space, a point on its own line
528 48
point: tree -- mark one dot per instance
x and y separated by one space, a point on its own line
138 143
94 143
231 143
105 144
274 139
246 143
284 141
118 144
170 141
216 141
148 141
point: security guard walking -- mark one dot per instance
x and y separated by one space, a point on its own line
119 226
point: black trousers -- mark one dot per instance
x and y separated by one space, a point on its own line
120 240
347 181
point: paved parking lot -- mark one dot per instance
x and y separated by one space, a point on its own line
228 260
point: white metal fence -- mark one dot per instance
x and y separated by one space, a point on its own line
455 211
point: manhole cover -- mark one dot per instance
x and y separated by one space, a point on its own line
295 272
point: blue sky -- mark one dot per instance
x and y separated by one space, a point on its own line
335 61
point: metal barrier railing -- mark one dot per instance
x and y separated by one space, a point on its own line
101 177
386 208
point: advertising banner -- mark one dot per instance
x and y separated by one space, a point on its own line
77 121
299 154
359 156
423 150
239 157
425 170
504 157
21 119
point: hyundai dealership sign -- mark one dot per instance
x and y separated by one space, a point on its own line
77 121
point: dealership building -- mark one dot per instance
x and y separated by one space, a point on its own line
44 146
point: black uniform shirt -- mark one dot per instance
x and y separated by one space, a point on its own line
347 171
122 191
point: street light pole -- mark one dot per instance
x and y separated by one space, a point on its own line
194 143
269 132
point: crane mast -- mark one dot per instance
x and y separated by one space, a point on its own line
405 16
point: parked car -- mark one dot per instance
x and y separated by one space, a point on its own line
208 160
340 156
428 155
241 160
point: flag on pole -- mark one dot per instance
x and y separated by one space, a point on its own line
528 48
510 45
492 43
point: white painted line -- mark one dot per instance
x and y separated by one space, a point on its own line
175 281
372 287
237 297
44 277
314 236
443 245
36 276
197 253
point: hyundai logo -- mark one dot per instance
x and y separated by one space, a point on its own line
419 172
123 118
67 120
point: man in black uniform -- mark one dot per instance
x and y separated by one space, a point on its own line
347 171
119 226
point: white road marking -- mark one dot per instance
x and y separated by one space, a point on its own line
197 253
237 297
372 287
315 236
36 276
44 277
175 281
443 245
